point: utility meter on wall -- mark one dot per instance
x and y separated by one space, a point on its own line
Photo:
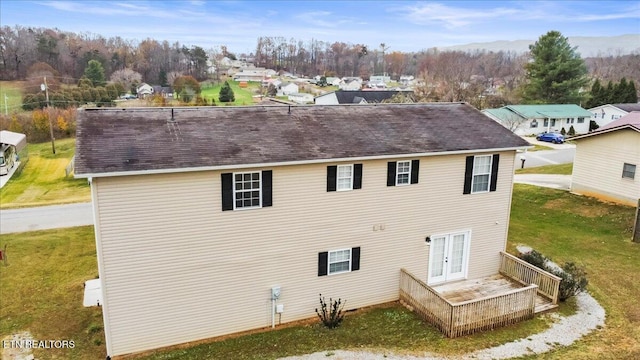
275 293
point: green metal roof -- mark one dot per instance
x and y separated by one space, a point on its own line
552 111
501 113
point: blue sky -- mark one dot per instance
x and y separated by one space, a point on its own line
401 25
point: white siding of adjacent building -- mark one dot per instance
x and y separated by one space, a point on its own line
606 114
175 268
598 163
327 99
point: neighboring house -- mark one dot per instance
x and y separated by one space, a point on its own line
607 161
287 88
201 213
165 91
538 119
301 98
253 74
407 80
605 114
350 85
333 81
144 90
356 97
379 79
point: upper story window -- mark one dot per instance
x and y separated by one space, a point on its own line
628 171
402 172
481 173
344 177
246 190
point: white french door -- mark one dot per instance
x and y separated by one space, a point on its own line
448 257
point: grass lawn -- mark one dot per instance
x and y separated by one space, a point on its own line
43 181
560 169
42 291
595 235
537 147
13 90
243 95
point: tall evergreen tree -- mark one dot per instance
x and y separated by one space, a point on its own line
95 72
619 92
556 73
597 95
632 93
609 93
226 93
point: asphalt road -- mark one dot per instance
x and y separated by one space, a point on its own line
45 217
561 154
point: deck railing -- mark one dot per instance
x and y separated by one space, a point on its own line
526 274
457 319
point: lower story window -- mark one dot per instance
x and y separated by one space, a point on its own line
339 261
628 171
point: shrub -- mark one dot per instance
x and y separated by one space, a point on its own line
332 313
535 258
563 131
574 280
572 131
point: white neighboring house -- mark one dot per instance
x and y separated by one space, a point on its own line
333 81
301 98
407 80
538 119
604 114
144 90
287 88
350 85
607 161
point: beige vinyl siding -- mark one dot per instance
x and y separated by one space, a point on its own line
176 268
597 167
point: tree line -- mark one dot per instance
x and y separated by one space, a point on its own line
69 53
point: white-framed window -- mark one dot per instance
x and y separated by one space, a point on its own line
247 192
628 171
403 173
534 124
481 174
339 261
344 179
569 120
580 120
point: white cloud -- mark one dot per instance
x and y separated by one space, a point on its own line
452 17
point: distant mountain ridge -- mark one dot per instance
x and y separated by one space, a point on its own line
588 46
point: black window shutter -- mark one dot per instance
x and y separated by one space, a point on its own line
415 169
494 172
323 261
391 173
267 194
357 176
331 177
468 175
355 258
227 191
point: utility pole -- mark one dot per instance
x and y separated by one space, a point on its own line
384 48
45 88
6 109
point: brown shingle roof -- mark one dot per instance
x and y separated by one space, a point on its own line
133 140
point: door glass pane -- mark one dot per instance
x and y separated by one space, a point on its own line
437 264
457 253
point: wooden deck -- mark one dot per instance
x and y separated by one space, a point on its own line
465 290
